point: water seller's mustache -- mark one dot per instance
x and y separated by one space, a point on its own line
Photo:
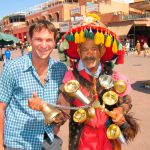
89 58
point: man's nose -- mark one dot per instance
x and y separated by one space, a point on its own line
44 44
89 51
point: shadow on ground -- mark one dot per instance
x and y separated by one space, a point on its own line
139 86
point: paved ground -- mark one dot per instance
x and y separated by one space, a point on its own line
138 70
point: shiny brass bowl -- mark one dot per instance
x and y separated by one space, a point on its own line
80 116
110 98
120 86
106 81
113 131
71 86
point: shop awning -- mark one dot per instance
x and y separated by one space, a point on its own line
141 5
8 38
120 30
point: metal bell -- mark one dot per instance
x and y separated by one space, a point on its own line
51 114
91 112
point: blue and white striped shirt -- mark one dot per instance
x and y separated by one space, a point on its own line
24 127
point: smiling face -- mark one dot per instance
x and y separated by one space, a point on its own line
42 43
90 54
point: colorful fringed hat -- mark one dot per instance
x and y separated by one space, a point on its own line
92 28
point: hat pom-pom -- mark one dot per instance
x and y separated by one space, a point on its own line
97 38
71 37
91 34
115 47
86 33
76 38
108 41
64 45
102 39
82 38
119 45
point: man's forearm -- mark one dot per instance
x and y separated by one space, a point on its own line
2 112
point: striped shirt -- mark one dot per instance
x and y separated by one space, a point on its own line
24 127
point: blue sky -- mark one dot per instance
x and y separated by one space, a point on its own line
12 6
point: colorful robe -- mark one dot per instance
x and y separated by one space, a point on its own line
91 135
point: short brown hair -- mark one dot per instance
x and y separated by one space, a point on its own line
39 25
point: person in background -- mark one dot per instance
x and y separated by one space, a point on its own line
138 47
146 49
22 49
29 48
127 47
32 76
7 55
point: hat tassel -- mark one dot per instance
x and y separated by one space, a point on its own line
77 38
115 47
82 37
108 41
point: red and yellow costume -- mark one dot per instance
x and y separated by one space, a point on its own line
91 134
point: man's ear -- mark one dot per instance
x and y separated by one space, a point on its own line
102 50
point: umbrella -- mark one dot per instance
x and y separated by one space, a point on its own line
6 39
3 42
13 38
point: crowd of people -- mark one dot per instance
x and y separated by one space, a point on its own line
6 52
37 93
140 49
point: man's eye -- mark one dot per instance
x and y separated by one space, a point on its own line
94 49
49 40
84 49
39 40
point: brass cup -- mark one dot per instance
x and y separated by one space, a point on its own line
110 98
106 81
79 116
71 87
120 86
113 132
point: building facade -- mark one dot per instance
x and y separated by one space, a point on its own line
127 20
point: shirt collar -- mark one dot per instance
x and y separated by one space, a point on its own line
82 67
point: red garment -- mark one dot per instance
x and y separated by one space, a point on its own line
120 59
93 136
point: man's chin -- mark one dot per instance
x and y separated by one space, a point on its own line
43 56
